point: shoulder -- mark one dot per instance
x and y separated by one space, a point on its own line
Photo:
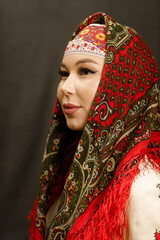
147 180
143 209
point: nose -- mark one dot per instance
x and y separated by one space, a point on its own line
68 86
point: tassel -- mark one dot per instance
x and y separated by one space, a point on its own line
108 221
34 233
154 154
157 236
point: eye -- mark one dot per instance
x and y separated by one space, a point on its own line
86 71
63 74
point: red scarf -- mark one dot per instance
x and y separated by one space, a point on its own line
123 126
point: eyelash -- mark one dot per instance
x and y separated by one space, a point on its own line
82 71
86 71
63 73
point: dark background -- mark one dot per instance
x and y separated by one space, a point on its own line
33 36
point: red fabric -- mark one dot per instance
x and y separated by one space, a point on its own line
34 232
157 235
107 213
91 40
67 155
122 127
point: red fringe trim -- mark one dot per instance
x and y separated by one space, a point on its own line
34 233
105 218
157 236
108 221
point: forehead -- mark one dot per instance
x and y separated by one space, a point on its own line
76 59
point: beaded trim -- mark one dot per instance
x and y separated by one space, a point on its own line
83 47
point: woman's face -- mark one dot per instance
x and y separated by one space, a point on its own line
79 78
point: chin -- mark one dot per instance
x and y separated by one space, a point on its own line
75 127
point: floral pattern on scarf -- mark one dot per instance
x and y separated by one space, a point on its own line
123 116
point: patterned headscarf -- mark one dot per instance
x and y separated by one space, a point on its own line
123 127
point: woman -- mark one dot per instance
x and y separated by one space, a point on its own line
101 166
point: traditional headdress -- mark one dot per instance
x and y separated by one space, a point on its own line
91 40
123 127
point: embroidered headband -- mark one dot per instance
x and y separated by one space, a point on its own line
91 40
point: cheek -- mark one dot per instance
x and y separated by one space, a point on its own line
90 93
59 93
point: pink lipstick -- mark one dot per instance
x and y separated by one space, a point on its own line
70 108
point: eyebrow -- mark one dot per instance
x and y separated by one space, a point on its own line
82 61
85 60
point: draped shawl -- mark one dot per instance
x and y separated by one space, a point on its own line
123 126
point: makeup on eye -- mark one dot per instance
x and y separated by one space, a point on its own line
86 71
81 71
63 73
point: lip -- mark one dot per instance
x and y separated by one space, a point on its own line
70 108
